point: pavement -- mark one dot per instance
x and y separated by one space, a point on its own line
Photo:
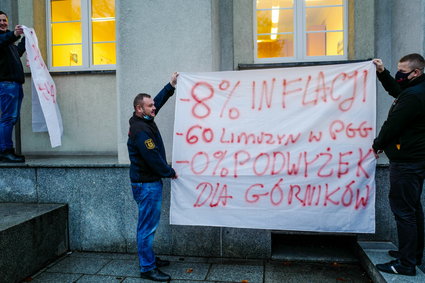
114 267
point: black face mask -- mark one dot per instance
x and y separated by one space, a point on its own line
402 79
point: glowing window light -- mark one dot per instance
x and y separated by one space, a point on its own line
275 21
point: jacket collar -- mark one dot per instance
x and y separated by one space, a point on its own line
416 81
141 118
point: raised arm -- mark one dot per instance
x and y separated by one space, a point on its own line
387 81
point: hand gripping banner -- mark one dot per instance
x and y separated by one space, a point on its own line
284 149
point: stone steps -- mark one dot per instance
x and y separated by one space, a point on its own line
314 247
372 253
321 248
31 236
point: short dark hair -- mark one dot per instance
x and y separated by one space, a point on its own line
139 99
416 61
3 13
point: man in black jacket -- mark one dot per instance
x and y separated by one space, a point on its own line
402 137
148 165
11 80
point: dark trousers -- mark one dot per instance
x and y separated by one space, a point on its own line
406 180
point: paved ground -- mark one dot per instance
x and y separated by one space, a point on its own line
110 267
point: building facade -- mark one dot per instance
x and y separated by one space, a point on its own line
153 38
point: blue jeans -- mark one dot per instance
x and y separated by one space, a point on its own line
406 180
11 95
149 198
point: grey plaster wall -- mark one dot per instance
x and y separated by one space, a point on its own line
407 28
157 38
87 104
364 37
243 32
398 30
226 35
10 7
384 48
25 14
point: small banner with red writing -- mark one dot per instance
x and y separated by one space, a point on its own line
284 149
46 115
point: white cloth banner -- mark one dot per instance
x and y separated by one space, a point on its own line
285 149
43 89
38 122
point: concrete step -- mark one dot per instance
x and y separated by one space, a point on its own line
31 235
313 247
372 253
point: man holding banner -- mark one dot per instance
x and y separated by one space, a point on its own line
11 80
148 165
402 137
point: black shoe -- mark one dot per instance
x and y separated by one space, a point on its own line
395 267
155 275
161 263
396 254
9 155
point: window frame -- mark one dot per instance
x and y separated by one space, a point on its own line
300 32
86 42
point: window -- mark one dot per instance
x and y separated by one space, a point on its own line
81 34
300 30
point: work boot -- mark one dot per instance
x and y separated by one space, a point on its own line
155 275
8 155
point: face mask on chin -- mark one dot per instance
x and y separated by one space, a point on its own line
146 117
402 79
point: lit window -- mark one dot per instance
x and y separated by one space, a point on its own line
81 34
300 30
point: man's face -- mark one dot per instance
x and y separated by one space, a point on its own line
4 23
148 107
405 68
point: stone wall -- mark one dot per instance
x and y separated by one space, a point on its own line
103 214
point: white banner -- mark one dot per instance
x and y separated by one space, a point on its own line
45 92
284 149
38 122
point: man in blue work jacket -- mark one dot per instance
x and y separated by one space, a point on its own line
148 165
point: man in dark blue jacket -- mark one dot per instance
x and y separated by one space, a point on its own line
11 80
148 165
402 137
